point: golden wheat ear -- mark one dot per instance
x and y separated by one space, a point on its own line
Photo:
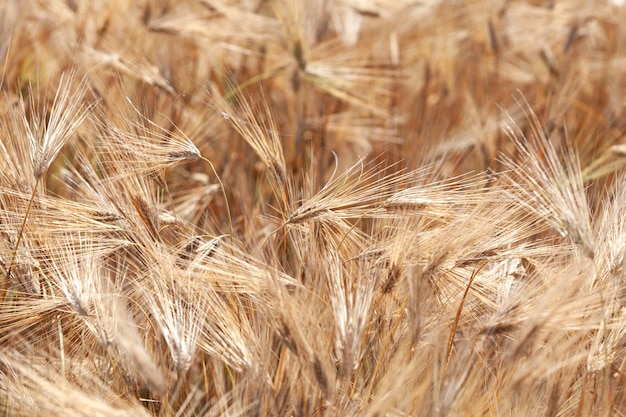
550 184
47 131
131 144
358 192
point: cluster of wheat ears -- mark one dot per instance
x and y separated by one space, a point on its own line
307 208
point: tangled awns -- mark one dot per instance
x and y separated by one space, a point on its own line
312 208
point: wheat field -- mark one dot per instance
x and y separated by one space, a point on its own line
312 208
